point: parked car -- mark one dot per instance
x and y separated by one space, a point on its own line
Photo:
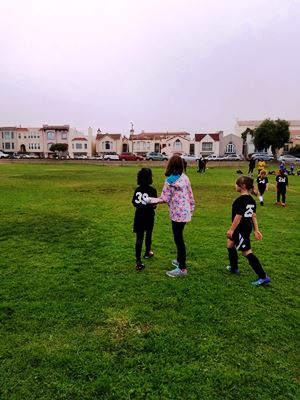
3 155
154 156
80 157
233 157
214 158
111 157
97 158
288 158
262 156
130 157
189 157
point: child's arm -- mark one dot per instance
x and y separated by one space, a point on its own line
257 234
234 225
164 197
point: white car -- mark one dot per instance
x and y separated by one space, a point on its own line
233 157
189 157
288 158
111 157
3 155
214 158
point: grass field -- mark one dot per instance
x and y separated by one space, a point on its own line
77 321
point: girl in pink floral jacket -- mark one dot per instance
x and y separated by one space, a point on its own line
177 192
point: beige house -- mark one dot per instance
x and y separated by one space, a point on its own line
107 143
53 134
231 144
8 139
162 142
207 144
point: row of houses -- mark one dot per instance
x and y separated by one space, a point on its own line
38 141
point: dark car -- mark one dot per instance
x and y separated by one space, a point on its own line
154 156
130 157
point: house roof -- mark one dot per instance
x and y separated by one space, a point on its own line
79 138
114 136
56 127
200 136
8 128
157 135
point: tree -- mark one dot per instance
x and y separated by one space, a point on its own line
59 148
272 134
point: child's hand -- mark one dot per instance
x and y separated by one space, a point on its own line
229 234
257 235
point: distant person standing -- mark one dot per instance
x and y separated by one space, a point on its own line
292 167
261 165
262 185
251 165
200 165
282 182
205 161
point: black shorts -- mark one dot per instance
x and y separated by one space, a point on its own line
242 240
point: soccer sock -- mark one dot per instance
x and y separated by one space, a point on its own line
233 258
256 265
261 198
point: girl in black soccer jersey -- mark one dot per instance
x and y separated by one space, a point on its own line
243 219
262 185
144 215
282 181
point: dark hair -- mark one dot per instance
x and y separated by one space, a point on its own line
144 177
247 181
175 166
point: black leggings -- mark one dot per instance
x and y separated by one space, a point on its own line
282 193
139 243
177 228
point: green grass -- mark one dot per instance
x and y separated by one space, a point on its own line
78 322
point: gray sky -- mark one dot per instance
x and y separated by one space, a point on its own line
166 65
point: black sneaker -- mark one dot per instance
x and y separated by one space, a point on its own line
140 266
149 255
261 203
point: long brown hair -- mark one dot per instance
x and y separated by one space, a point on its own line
175 166
246 181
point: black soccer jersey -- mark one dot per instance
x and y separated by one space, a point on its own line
245 206
262 181
144 213
282 181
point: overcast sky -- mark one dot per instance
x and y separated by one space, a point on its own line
165 65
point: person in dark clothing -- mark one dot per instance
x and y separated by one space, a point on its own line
200 165
282 182
144 215
238 235
251 166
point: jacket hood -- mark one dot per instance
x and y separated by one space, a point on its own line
175 180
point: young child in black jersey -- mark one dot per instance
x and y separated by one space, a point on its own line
243 219
144 215
282 182
262 185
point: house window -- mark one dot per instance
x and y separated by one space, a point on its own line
85 145
50 135
78 146
177 146
64 136
230 148
207 146
7 146
107 145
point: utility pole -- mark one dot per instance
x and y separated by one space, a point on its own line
131 134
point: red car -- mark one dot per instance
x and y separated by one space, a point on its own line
130 157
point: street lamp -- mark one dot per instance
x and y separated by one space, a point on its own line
131 133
